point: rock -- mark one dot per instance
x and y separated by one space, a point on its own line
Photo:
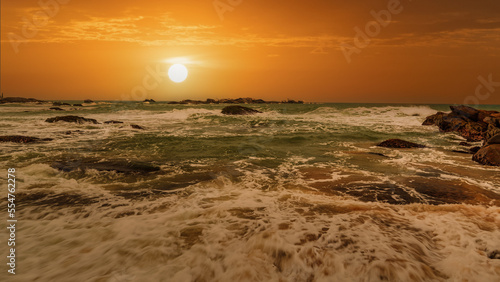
470 123
19 100
493 140
434 119
22 139
494 254
464 144
118 165
75 119
88 101
466 111
474 149
77 105
149 101
398 143
491 131
473 131
488 155
239 110
55 104
56 109
112 122
135 126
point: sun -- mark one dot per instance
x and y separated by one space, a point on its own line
177 73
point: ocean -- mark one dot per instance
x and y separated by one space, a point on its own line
300 192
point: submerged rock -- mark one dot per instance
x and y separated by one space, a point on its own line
118 165
135 126
56 109
22 139
113 122
75 119
488 155
398 143
239 110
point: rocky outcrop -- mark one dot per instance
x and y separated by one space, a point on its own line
19 100
22 139
488 155
470 123
75 119
239 110
474 125
398 143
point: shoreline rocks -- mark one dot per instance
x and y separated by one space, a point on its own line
400 144
473 125
75 119
488 155
239 110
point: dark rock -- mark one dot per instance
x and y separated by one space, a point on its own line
19 100
77 105
135 126
475 149
493 140
56 104
488 155
88 101
491 131
56 109
22 139
118 165
466 111
465 144
473 131
434 119
239 110
112 122
494 254
149 101
398 143
470 123
75 119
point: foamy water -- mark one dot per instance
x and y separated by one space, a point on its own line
293 194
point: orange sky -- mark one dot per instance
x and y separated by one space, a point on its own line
430 51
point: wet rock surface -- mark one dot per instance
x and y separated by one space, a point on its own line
75 119
401 144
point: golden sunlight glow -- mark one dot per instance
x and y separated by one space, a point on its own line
177 73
